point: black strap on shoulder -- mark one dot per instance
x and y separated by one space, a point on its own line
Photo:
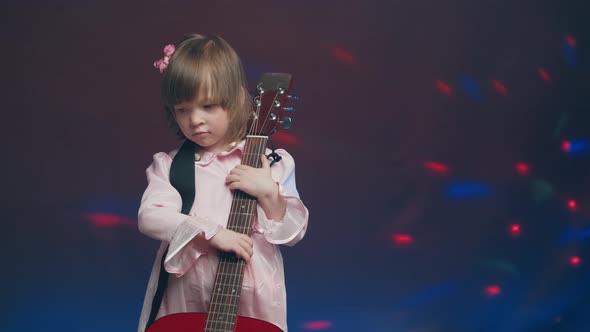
182 174
182 177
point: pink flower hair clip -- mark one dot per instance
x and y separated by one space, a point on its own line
162 63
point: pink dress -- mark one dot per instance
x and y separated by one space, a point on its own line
192 263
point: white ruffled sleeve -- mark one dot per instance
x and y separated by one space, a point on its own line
160 218
291 228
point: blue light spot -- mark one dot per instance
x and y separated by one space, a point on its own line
572 234
578 146
468 189
472 89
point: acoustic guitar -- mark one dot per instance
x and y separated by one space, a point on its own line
270 98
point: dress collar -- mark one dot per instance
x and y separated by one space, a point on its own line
206 157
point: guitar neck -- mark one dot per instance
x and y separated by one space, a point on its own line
225 298
243 206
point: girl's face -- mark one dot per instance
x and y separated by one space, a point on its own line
204 122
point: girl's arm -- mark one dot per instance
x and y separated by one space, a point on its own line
160 218
289 226
282 217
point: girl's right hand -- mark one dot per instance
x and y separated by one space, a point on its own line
230 241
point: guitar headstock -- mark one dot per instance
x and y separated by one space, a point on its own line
270 102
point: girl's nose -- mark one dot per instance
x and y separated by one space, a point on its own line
196 118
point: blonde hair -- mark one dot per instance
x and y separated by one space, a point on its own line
207 63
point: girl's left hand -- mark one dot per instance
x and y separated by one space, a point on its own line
255 182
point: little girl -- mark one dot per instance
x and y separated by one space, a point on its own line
207 104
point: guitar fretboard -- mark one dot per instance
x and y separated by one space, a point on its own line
225 298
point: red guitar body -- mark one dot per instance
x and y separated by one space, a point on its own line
195 322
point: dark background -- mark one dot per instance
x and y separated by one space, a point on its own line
389 88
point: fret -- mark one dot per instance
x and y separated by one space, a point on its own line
229 274
230 258
234 228
222 305
246 205
249 214
220 328
216 322
223 284
241 211
231 296
216 318
243 208
235 293
236 283
235 225
242 197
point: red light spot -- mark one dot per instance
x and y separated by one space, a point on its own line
500 88
444 87
107 220
575 261
571 41
566 146
572 204
343 55
515 230
493 290
402 239
436 167
544 75
522 168
317 325
285 138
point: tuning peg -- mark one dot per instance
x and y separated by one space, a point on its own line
286 122
293 97
289 109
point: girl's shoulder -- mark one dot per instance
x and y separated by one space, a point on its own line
172 153
164 158
167 155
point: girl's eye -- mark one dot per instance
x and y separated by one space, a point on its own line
180 110
209 106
